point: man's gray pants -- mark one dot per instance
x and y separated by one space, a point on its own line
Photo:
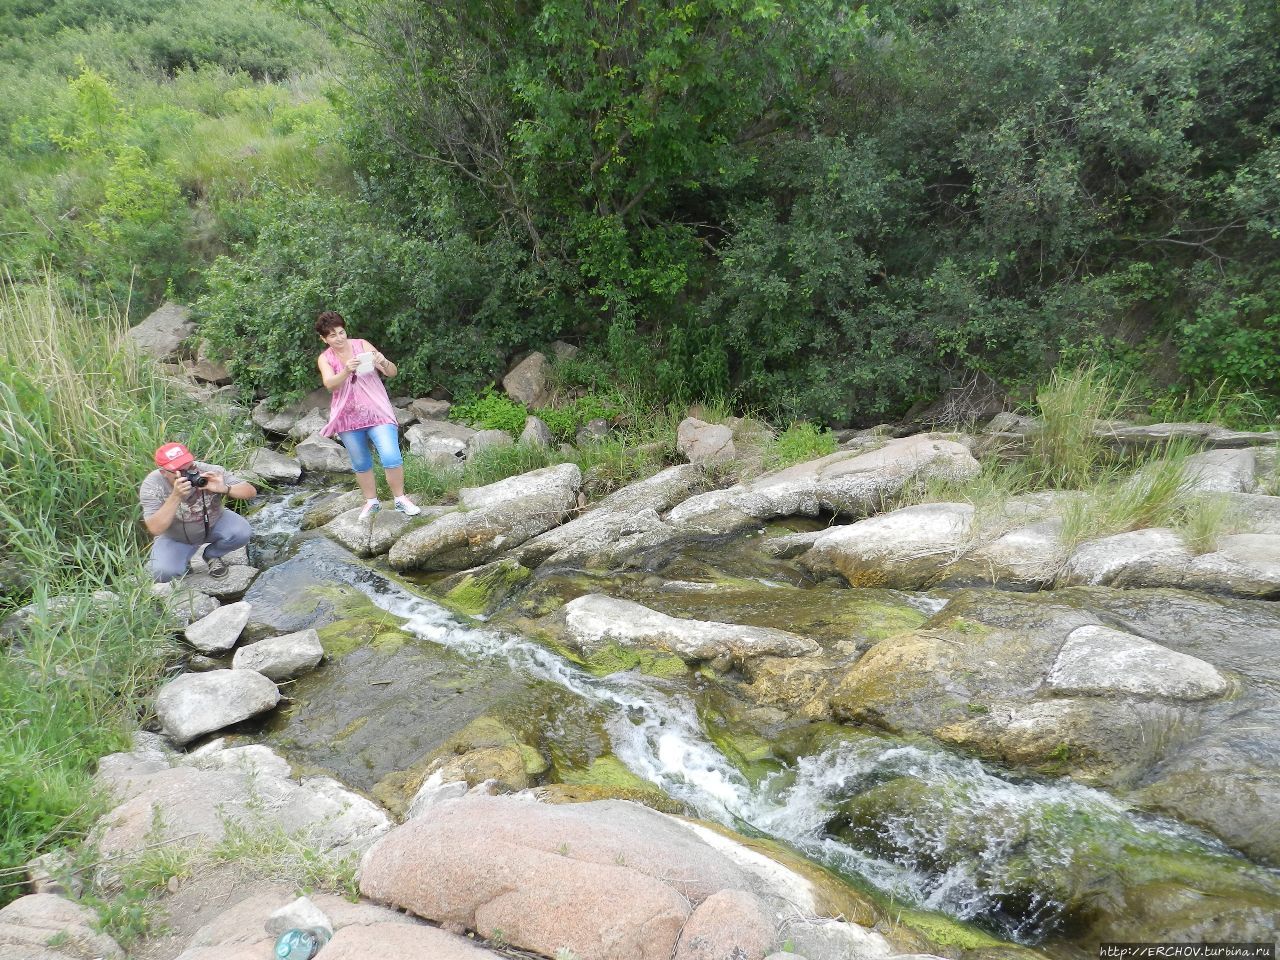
170 558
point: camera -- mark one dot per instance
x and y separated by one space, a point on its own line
192 476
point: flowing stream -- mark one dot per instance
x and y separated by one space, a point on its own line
925 828
962 849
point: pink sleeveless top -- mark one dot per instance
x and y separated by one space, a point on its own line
362 399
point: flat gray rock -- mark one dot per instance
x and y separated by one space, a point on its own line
43 926
220 630
231 587
593 621
1099 661
1221 471
283 657
198 703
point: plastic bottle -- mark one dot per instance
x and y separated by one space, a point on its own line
298 944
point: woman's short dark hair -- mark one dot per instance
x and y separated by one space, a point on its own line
327 321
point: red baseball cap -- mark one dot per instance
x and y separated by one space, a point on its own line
173 456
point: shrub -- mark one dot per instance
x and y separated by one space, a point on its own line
491 410
799 442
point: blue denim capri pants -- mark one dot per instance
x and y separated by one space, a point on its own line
385 437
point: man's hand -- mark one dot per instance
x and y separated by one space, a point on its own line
217 482
181 487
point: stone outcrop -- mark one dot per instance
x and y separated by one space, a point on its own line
493 519
439 442
317 454
616 881
700 442
191 799
373 535
845 482
589 539
161 334
273 467
902 548
47 927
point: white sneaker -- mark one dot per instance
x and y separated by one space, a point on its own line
370 508
407 507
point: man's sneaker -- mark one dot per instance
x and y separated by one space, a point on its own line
407 507
370 508
217 567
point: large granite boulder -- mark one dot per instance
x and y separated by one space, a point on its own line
281 658
593 622
374 535
220 630
161 335
700 442
194 704
610 880
439 442
904 548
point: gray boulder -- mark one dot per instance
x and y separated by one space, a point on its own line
192 799
1099 661
904 548
427 409
161 334
283 657
309 424
494 519
439 442
231 587
700 442
1221 471
527 381
487 439
44 926
845 482
183 604
374 535
220 630
210 366
198 703
536 433
592 622
592 432
625 512
318 454
273 467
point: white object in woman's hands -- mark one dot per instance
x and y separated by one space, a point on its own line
365 362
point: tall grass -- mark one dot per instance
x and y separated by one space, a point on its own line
1066 451
79 419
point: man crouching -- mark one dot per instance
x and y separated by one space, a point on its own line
182 508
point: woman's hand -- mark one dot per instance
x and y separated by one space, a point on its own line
350 365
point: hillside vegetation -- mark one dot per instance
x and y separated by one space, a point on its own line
803 209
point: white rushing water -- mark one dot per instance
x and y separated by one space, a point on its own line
925 856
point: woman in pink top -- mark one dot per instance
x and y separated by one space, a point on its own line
360 410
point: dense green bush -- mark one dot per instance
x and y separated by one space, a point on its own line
820 214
